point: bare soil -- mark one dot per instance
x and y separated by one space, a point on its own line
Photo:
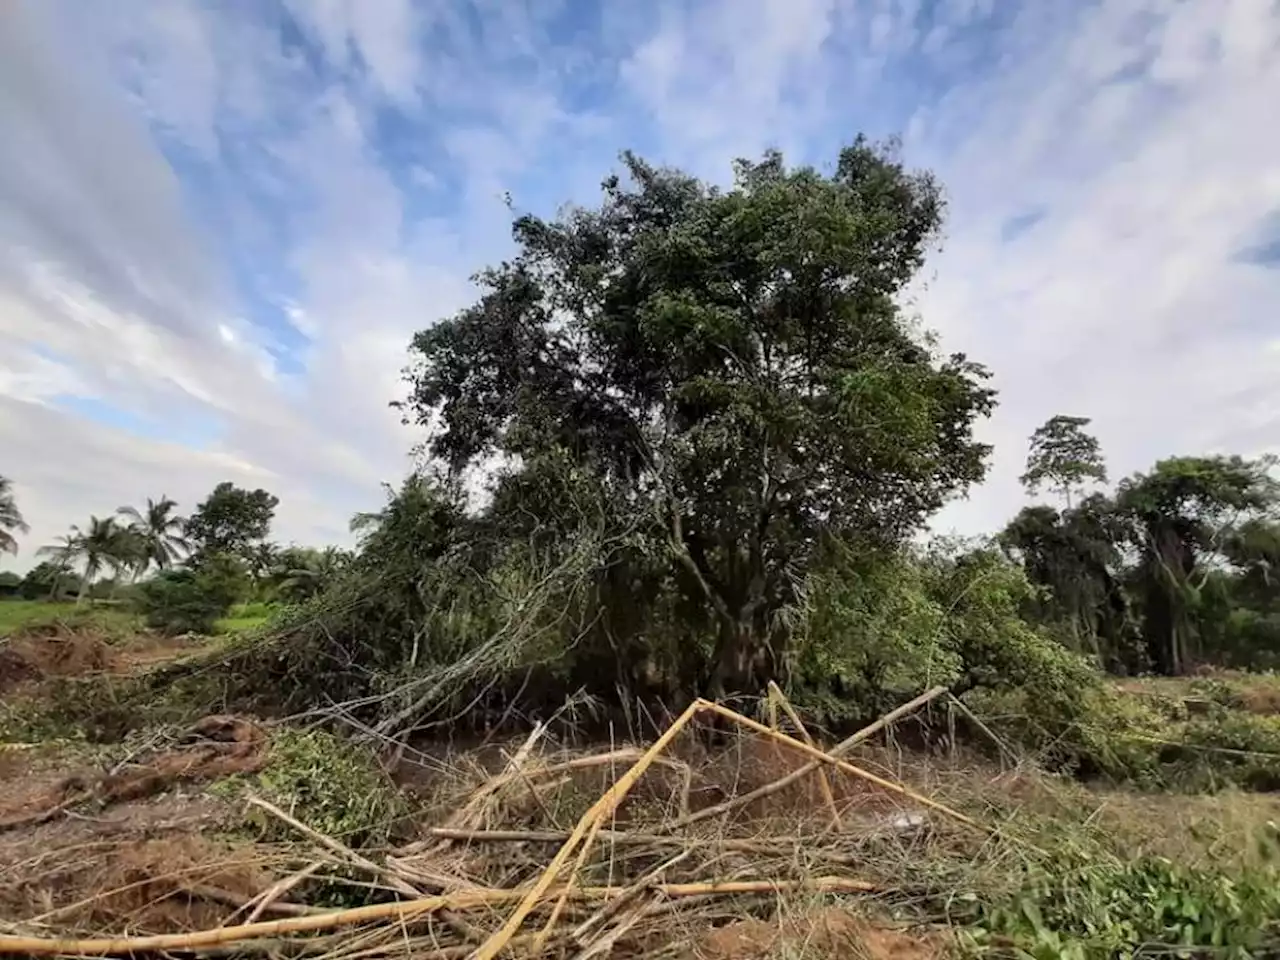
57 651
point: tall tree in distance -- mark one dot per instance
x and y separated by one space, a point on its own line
62 557
102 544
231 520
1179 516
159 532
729 366
10 518
1064 456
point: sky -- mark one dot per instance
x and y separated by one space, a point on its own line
222 220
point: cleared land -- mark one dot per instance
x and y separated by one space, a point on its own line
266 838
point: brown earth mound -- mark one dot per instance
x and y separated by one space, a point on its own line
215 747
62 654
59 651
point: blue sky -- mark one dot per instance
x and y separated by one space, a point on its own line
222 220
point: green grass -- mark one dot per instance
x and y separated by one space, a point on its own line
16 615
245 617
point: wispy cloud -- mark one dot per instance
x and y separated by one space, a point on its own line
221 222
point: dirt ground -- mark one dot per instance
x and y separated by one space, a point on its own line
58 651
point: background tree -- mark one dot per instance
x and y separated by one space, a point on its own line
10 518
306 572
729 368
231 520
62 557
1064 456
50 580
1179 516
159 532
1075 557
102 544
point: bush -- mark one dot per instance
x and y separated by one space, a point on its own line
1127 909
192 601
328 783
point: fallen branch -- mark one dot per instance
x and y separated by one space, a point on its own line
401 911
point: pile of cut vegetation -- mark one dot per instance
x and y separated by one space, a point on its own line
723 838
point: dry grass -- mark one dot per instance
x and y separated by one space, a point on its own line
488 821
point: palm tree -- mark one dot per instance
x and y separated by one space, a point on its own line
312 571
160 534
103 543
10 518
62 555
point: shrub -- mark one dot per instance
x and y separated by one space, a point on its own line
328 783
1126 909
191 601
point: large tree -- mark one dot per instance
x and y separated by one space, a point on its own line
1181 515
732 366
230 520
159 532
1076 557
10 518
1064 456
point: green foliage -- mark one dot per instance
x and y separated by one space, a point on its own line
192 600
729 365
231 520
103 544
10 584
157 532
49 580
1064 456
301 573
1106 909
329 783
872 633
1177 515
10 518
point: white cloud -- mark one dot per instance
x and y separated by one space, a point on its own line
184 174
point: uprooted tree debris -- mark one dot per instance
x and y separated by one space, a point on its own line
480 884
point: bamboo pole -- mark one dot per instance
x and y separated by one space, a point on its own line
800 773
827 796
400 911
842 765
591 819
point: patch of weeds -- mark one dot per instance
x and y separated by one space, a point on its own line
1100 909
90 709
330 784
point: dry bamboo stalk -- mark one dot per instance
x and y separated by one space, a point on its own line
794 717
396 882
973 718
229 899
400 910
341 850
605 944
280 888
844 765
601 808
617 904
800 773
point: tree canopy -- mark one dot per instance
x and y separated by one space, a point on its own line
732 368
230 520
1064 456
11 520
159 532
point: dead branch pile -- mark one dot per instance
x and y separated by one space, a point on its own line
215 747
641 872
